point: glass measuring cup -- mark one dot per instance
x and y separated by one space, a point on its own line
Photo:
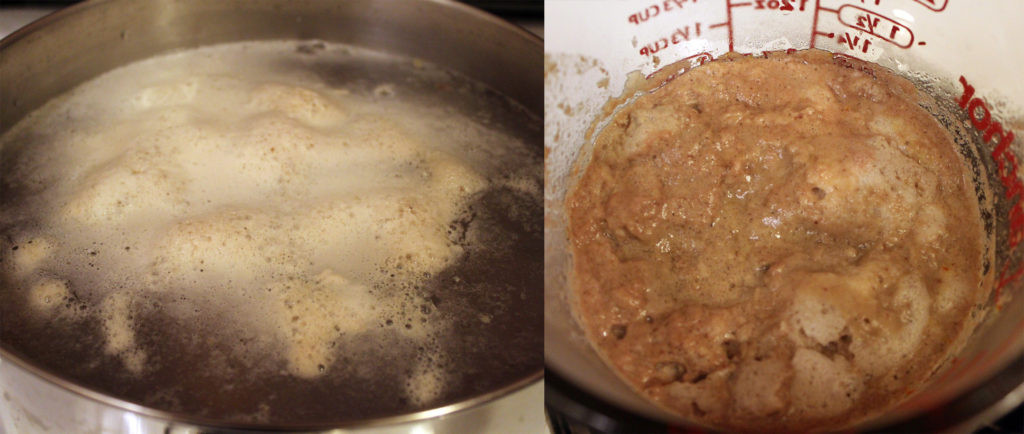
954 50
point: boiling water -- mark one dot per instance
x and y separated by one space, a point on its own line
276 232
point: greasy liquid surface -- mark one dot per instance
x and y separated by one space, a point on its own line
781 243
276 232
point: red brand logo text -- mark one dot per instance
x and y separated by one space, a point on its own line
1006 168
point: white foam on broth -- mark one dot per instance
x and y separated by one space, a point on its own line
289 210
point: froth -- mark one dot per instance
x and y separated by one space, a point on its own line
425 384
313 313
119 329
48 293
30 255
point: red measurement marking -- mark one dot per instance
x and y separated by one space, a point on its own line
656 9
877 25
814 23
728 19
876 2
739 5
780 5
678 36
855 42
920 43
935 5
715 26
1006 169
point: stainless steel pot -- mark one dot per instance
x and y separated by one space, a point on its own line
60 51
